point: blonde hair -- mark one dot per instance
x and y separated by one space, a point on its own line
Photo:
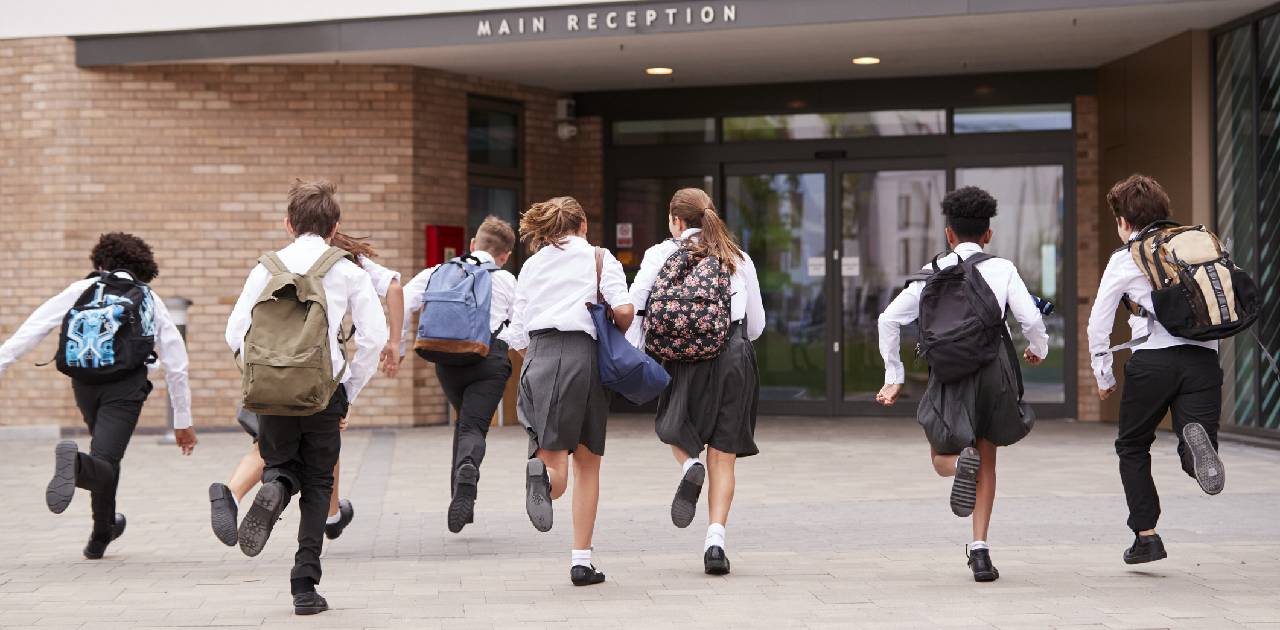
495 236
549 222
694 207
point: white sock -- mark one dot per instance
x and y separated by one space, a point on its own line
715 536
688 463
334 518
978 544
581 558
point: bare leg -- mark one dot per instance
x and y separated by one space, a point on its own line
681 455
333 498
944 465
247 473
986 489
720 495
586 495
557 470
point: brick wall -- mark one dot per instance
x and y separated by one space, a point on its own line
1088 249
197 160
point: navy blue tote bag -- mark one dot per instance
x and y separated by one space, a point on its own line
624 368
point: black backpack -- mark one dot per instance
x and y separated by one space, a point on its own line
109 333
961 324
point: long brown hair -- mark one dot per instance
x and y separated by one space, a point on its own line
357 246
549 222
693 205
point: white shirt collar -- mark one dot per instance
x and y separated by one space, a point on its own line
1132 236
690 232
968 248
484 257
309 239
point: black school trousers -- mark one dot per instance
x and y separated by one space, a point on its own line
300 453
111 412
1186 380
475 391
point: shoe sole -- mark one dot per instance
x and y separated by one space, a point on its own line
964 488
986 577
537 495
258 523
588 582
62 487
1145 559
1210 473
685 504
309 610
222 519
717 567
462 507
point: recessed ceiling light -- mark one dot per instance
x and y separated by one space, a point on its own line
658 71
866 61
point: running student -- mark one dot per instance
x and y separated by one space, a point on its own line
111 322
988 402
562 403
475 391
300 451
224 499
1165 373
712 400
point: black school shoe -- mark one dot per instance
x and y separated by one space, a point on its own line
223 514
462 507
346 513
309 603
1145 549
63 484
95 549
685 504
714 562
262 517
1207 465
585 576
537 495
980 563
964 487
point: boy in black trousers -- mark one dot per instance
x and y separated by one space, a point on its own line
111 322
474 390
1165 373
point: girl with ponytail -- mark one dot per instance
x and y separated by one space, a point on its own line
714 380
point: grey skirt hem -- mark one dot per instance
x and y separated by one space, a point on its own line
712 403
561 402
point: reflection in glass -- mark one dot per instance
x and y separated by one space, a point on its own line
891 226
1028 231
779 219
642 205
492 138
910 122
1052 117
671 131
500 201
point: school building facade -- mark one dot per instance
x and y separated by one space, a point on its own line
826 131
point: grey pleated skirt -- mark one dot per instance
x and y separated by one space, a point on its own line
713 403
561 401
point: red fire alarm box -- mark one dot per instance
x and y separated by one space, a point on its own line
444 242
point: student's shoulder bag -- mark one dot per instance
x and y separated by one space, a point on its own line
623 368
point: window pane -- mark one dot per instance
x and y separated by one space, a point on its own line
492 138
911 122
1013 118
1028 231
1267 213
642 209
500 201
676 131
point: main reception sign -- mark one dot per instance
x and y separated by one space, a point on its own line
641 19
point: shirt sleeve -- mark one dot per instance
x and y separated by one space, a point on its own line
755 302
371 332
903 310
171 351
504 294
1024 310
47 318
1101 319
654 257
413 294
241 313
613 282
381 276
519 337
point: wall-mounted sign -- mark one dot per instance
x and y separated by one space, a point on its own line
639 19
624 236
817 266
850 266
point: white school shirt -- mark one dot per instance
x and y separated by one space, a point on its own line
556 283
379 275
1122 277
346 287
171 351
744 288
1008 287
502 300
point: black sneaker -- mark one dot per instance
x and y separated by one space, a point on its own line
463 506
223 513
262 517
1205 461
980 563
537 495
964 488
346 513
96 548
63 484
585 576
685 505
714 562
309 603
1145 549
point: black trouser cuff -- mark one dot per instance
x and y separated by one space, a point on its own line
301 585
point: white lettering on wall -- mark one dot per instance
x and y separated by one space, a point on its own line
571 22
484 30
707 14
504 28
730 13
671 16
649 16
631 19
592 21
540 24
612 20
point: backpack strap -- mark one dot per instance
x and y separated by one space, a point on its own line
273 263
327 260
599 271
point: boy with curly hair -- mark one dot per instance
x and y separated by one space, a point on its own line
111 322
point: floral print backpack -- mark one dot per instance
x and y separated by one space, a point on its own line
687 317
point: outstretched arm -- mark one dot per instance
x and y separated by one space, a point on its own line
43 321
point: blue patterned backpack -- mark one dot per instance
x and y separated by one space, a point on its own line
110 332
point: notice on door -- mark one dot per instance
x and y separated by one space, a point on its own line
850 266
623 234
817 266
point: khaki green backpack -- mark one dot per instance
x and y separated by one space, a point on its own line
288 369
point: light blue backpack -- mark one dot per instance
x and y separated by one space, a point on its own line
453 328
